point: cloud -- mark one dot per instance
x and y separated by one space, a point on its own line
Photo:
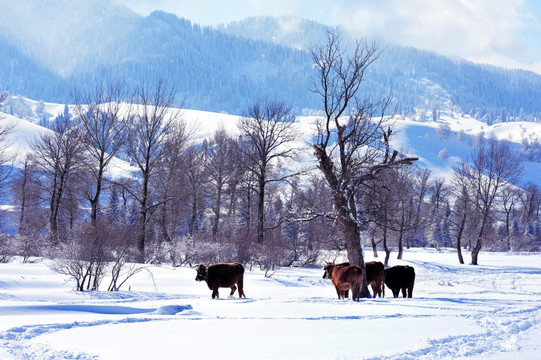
474 29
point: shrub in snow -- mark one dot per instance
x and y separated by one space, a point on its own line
95 253
443 131
6 249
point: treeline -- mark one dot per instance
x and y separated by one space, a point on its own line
234 198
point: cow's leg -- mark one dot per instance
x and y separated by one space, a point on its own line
240 284
403 292
395 292
410 291
215 293
233 289
356 293
346 294
376 290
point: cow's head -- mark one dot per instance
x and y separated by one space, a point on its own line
201 273
328 270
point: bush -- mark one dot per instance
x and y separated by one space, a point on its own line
95 252
6 249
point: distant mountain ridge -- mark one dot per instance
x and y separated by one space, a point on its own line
225 69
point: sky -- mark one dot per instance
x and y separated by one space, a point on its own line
500 32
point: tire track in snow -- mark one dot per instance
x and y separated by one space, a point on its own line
17 341
503 334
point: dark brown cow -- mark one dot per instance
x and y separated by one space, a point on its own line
345 278
375 276
400 277
222 275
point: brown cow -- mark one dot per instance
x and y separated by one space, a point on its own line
222 275
345 278
375 276
400 277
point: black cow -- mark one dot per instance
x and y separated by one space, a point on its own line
400 277
222 275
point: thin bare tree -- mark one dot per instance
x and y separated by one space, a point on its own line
269 138
104 120
58 156
171 189
509 198
221 171
6 128
152 122
493 165
462 206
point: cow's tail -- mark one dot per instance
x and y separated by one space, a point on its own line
383 285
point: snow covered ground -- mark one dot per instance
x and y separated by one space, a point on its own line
491 311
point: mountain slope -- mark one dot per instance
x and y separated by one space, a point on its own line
417 77
227 68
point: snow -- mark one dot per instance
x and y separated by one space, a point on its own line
490 311
422 139
414 138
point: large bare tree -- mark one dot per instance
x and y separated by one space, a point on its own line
352 144
269 134
103 123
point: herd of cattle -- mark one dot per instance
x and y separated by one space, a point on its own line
344 277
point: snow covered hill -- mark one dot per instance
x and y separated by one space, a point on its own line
444 143
440 144
490 311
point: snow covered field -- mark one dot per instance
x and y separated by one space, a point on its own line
491 311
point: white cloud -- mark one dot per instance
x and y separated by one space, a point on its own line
479 30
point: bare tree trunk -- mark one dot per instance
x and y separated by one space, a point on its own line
386 247
374 245
352 235
261 210
23 198
217 208
477 248
165 232
459 238
401 236
143 217
193 218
